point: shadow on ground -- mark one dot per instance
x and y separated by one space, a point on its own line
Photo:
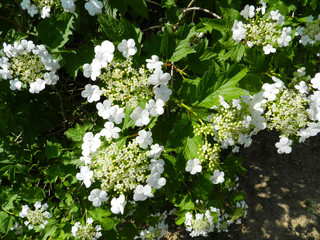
282 192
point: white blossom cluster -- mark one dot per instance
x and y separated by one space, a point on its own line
44 7
35 7
86 232
266 32
157 231
28 65
135 167
125 86
310 33
35 218
201 224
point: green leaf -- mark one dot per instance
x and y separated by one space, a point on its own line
167 42
50 228
101 215
188 90
206 84
76 134
32 194
52 173
180 131
53 149
6 222
117 30
191 146
76 59
55 33
184 203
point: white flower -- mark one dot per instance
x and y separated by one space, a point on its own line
162 92
68 5
155 151
270 91
110 131
90 143
284 39
155 108
223 102
269 49
127 47
37 86
45 12
141 193
32 10
144 139
305 39
159 78
97 197
140 116
25 4
15 84
245 140
104 53
310 19
37 205
116 114
92 93
316 81
154 62
217 177
276 15
103 109
248 11
238 31
263 7
156 181
24 212
94 7
118 204
86 159
284 145
193 166
85 175
156 166
302 87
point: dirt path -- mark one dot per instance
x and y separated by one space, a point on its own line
282 192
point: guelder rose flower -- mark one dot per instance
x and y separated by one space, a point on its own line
68 5
316 81
248 12
15 84
103 109
141 193
110 131
155 108
127 47
37 86
104 53
144 139
302 87
284 145
90 143
269 49
91 92
217 177
97 197
159 78
154 62
140 116
193 166
85 175
45 12
155 151
270 91
162 92
116 114
118 204
93 7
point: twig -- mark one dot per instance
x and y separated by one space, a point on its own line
153 2
190 4
201 9
151 28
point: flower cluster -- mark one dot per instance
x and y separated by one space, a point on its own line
28 64
43 7
267 32
35 217
212 219
310 33
231 124
87 231
157 231
120 169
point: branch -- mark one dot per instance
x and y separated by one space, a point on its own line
201 9
153 2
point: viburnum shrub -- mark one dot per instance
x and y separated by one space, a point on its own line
151 106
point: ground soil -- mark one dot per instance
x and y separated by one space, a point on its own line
282 192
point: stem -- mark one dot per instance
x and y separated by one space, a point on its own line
190 110
153 2
201 9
